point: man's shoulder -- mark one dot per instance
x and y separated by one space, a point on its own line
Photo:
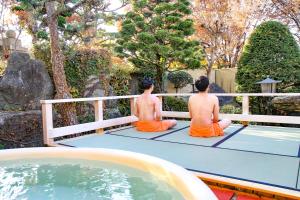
192 96
154 97
213 97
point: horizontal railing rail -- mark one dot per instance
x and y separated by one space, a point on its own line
50 132
54 101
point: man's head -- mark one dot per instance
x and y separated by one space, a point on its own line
147 83
202 84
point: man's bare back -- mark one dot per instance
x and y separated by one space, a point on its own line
204 107
148 108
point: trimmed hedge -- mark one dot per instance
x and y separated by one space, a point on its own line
180 79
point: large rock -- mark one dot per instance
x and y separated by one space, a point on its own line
94 88
214 88
287 104
24 84
21 129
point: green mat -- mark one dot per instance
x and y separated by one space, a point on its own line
263 168
132 132
182 136
266 139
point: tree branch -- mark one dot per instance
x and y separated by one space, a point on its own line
70 9
124 3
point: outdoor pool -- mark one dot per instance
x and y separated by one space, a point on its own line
68 173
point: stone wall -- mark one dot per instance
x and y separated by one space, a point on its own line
21 129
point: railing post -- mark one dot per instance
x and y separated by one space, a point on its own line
245 106
47 122
160 104
98 105
132 108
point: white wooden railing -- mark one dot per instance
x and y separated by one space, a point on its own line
50 132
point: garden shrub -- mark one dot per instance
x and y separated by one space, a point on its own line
271 51
180 79
175 104
41 51
230 109
120 82
79 64
82 63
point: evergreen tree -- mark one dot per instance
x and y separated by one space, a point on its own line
78 20
271 51
180 79
154 36
52 16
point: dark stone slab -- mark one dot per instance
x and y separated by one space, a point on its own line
21 129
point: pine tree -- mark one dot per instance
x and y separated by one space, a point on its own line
155 35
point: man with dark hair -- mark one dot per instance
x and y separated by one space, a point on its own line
204 112
148 110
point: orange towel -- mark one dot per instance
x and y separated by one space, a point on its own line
206 131
152 126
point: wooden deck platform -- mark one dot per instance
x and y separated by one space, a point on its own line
258 154
254 159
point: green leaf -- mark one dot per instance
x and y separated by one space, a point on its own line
61 21
42 35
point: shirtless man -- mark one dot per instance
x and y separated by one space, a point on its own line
204 112
148 110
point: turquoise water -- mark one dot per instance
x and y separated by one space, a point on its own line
79 179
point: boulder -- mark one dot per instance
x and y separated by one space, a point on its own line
21 129
24 83
112 113
214 88
287 104
94 88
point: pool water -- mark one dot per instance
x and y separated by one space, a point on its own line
79 179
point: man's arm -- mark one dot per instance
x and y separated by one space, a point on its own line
190 110
136 109
216 110
157 106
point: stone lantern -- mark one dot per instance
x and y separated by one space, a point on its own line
268 85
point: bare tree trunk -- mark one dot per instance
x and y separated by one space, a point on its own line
67 111
208 72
